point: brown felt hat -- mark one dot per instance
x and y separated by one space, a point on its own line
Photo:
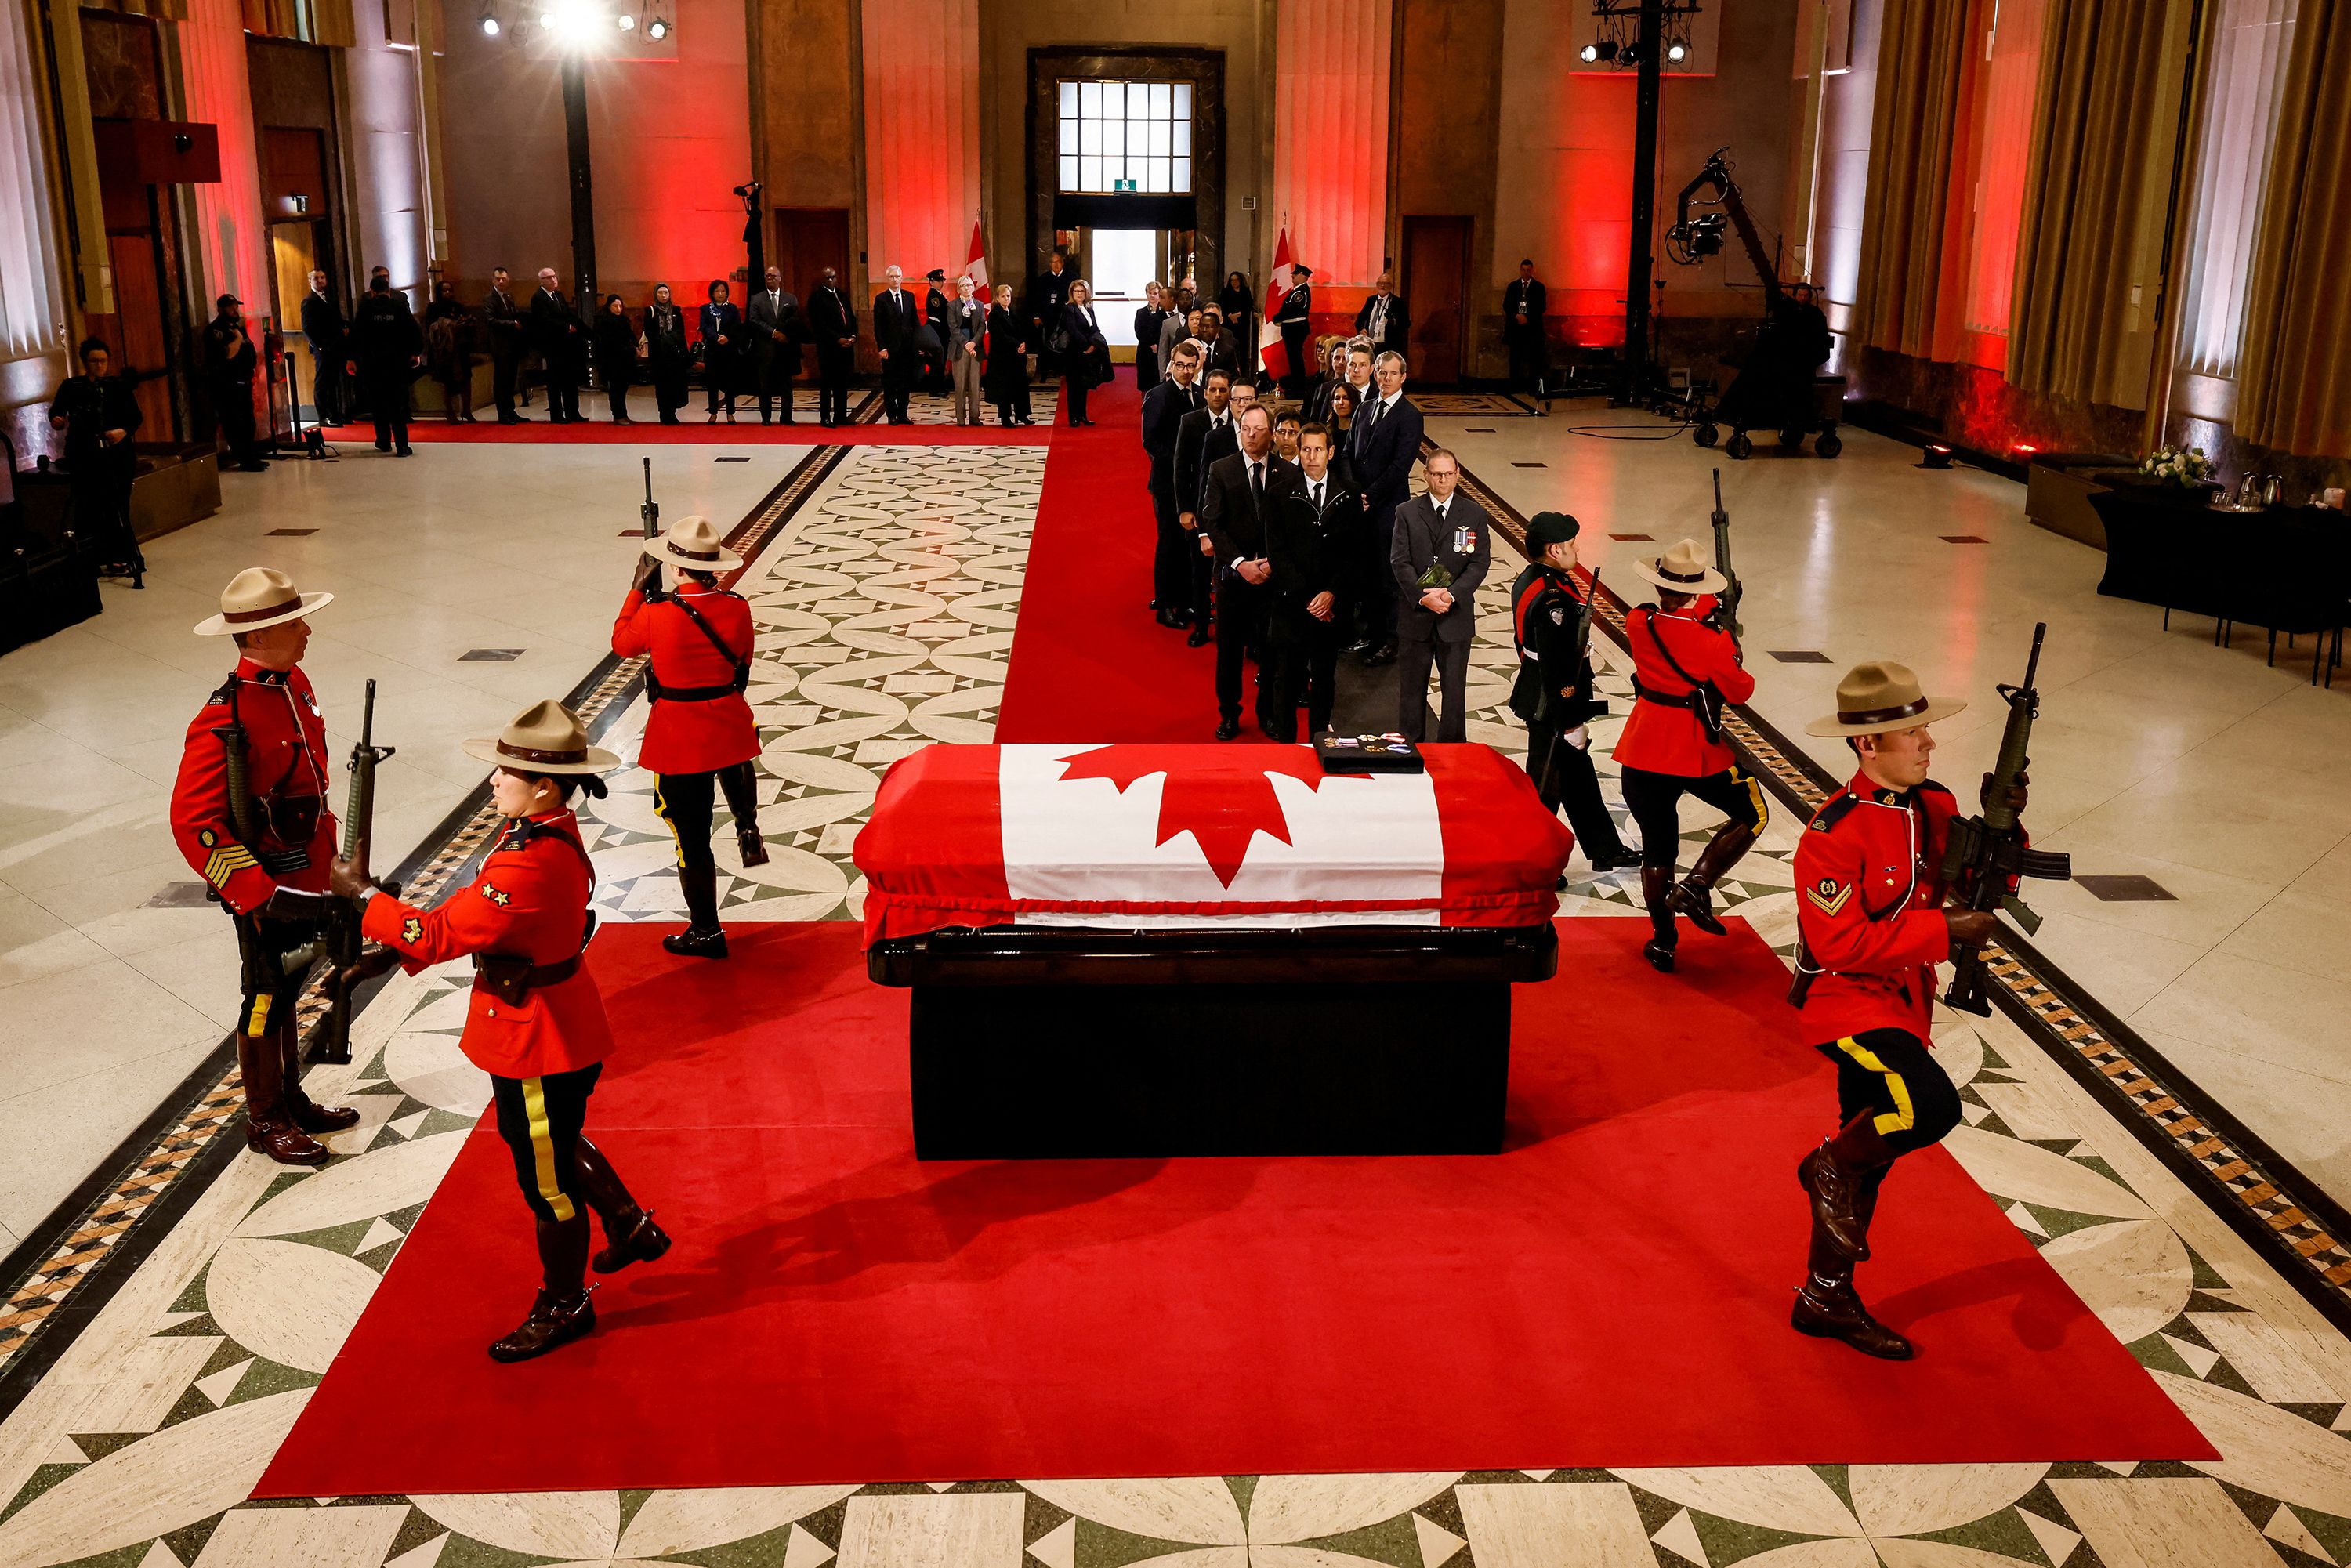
694 542
1879 696
257 597
1682 569
545 737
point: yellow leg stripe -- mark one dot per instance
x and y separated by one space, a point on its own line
661 809
1902 1118
542 1148
1755 794
257 1022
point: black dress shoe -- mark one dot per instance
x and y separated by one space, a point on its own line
641 1242
1229 729
1618 859
554 1323
403 452
1383 655
1834 1312
315 1119
1173 620
1198 639
753 847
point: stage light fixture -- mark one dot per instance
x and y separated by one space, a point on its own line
657 29
1676 51
1589 53
1937 455
547 20
489 25
626 21
1629 57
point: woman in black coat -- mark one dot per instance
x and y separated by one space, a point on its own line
1147 322
1084 352
668 359
1238 305
1005 380
615 339
722 350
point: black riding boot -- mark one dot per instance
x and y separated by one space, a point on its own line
1721 853
630 1234
743 800
702 938
1657 884
1828 1307
563 1311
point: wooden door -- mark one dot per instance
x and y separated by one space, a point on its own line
1435 287
808 240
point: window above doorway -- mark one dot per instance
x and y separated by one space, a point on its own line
1119 135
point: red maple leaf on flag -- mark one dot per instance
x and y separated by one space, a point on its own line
1224 799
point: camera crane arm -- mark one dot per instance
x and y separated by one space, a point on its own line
1691 240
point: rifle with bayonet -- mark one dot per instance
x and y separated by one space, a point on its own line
1985 854
332 1042
649 514
1725 614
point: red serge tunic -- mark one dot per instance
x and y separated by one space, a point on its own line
286 774
1660 739
531 901
1869 878
696 737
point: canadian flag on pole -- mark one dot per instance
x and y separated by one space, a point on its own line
1278 284
975 264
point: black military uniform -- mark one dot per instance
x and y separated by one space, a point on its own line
1048 292
230 365
101 471
1296 320
1554 694
386 347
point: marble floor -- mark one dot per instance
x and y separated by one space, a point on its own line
885 601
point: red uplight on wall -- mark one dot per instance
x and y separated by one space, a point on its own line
2024 450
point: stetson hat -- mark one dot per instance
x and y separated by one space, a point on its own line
693 543
1683 569
257 597
545 737
1878 696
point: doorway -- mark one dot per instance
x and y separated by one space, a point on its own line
294 252
1436 281
808 240
1122 262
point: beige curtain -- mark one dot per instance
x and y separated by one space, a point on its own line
1921 57
2108 111
2294 377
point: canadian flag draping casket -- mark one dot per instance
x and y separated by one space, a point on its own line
1138 837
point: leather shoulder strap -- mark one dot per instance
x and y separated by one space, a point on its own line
741 666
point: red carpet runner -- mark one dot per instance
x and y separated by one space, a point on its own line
1089 662
1611 1291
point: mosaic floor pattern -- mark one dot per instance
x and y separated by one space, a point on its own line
885 606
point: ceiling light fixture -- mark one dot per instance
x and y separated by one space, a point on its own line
626 21
489 26
1676 51
657 29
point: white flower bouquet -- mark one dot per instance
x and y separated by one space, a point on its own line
2186 466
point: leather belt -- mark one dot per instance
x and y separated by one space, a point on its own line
511 977
662 693
1650 695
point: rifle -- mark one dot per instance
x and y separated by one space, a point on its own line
1726 608
1983 852
650 514
343 941
1584 641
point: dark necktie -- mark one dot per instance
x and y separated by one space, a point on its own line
1257 486
1317 494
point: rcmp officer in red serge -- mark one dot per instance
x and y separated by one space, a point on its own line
1553 693
264 724
700 731
1869 872
536 1022
1685 672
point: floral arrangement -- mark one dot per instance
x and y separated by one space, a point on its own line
2186 466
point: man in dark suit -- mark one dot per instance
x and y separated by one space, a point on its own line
1224 348
386 348
1164 409
773 324
1384 322
509 336
1242 493
1522 329
1202 436
1048 292
230 365
1387 441
1309 539
322 329
1446 531
1296 320
895 317
562 344
833 325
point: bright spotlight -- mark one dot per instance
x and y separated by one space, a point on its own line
1589 53
657 29
1677 51
489 26
547 19
626 21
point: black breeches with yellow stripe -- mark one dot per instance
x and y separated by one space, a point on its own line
1655 799
1890 1078
684 802
541 1120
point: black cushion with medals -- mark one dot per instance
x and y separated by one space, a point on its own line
1368 754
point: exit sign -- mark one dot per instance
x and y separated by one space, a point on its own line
1122 185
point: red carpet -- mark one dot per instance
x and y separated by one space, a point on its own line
1611 1291
1089 662
600 431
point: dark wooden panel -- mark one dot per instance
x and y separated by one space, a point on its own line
1437 280
808 240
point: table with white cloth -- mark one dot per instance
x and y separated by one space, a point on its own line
1149 950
